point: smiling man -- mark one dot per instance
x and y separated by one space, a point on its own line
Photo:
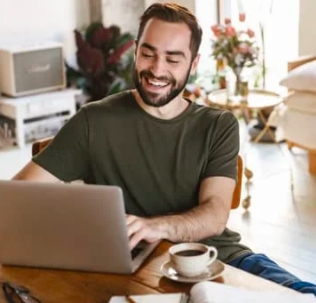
163 66
175 161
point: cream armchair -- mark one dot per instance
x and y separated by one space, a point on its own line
296 119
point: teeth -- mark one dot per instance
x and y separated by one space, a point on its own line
157 83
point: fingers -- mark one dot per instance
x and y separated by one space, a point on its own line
134 226
139 229
135 239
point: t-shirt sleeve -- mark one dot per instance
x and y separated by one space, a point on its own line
66 157
223 148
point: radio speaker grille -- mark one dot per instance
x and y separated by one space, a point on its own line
38 69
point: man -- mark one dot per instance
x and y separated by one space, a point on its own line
175 160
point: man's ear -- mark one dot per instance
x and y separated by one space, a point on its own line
194 64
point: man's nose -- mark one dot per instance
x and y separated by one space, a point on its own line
158 67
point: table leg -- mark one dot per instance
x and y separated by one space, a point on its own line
264 130
247 201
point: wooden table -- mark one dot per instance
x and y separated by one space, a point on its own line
52 286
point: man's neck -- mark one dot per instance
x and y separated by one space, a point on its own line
169 111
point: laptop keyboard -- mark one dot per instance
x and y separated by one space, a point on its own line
138 248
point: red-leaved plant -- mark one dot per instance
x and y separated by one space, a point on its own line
105 60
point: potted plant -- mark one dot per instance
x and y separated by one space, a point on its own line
105 58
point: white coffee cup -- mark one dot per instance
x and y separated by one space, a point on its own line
192 259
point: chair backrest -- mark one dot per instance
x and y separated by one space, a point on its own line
42 143
237 191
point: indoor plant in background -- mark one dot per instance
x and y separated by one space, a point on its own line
105 59
235 48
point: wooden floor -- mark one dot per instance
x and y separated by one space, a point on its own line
281 219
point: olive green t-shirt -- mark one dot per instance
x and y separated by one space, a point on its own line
158 163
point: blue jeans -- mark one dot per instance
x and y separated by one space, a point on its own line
260 265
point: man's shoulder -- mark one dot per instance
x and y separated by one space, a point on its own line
114 101
209 112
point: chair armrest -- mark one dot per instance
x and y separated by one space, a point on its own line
300 61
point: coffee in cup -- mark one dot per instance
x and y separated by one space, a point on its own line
192 259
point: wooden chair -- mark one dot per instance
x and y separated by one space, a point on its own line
237 191
42 143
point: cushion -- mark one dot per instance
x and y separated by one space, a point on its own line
302 78
302 101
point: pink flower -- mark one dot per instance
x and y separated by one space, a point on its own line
214 27
250 33
230 31
228 21
234 45
242 17
243 48
216 30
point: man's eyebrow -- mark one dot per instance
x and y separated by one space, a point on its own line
170 53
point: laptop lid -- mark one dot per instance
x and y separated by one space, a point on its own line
65 226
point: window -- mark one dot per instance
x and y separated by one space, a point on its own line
280 23
279 20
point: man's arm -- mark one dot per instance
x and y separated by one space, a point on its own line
209 218
34 172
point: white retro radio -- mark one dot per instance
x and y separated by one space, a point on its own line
31 69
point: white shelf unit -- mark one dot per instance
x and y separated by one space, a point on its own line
37 116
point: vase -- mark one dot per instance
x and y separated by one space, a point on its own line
237 86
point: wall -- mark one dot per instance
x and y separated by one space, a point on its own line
34 21
24 21
190 4
37 21
307 25
126 13
129 21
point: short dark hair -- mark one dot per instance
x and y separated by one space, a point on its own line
172 12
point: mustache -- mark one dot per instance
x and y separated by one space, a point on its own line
149 74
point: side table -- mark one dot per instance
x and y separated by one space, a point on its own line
257 100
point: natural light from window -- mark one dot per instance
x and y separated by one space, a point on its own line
279 20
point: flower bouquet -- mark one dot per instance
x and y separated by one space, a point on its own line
235 48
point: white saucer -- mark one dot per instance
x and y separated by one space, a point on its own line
214 271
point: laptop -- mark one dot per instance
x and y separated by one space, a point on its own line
66 226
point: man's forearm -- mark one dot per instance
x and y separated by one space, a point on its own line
205 220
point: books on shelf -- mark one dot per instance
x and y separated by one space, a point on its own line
212 292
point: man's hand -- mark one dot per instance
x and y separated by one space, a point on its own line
207 219
147 229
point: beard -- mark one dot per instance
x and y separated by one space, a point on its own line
155 99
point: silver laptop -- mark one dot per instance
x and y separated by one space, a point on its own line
66 226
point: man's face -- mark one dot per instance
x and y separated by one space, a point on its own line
163 61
